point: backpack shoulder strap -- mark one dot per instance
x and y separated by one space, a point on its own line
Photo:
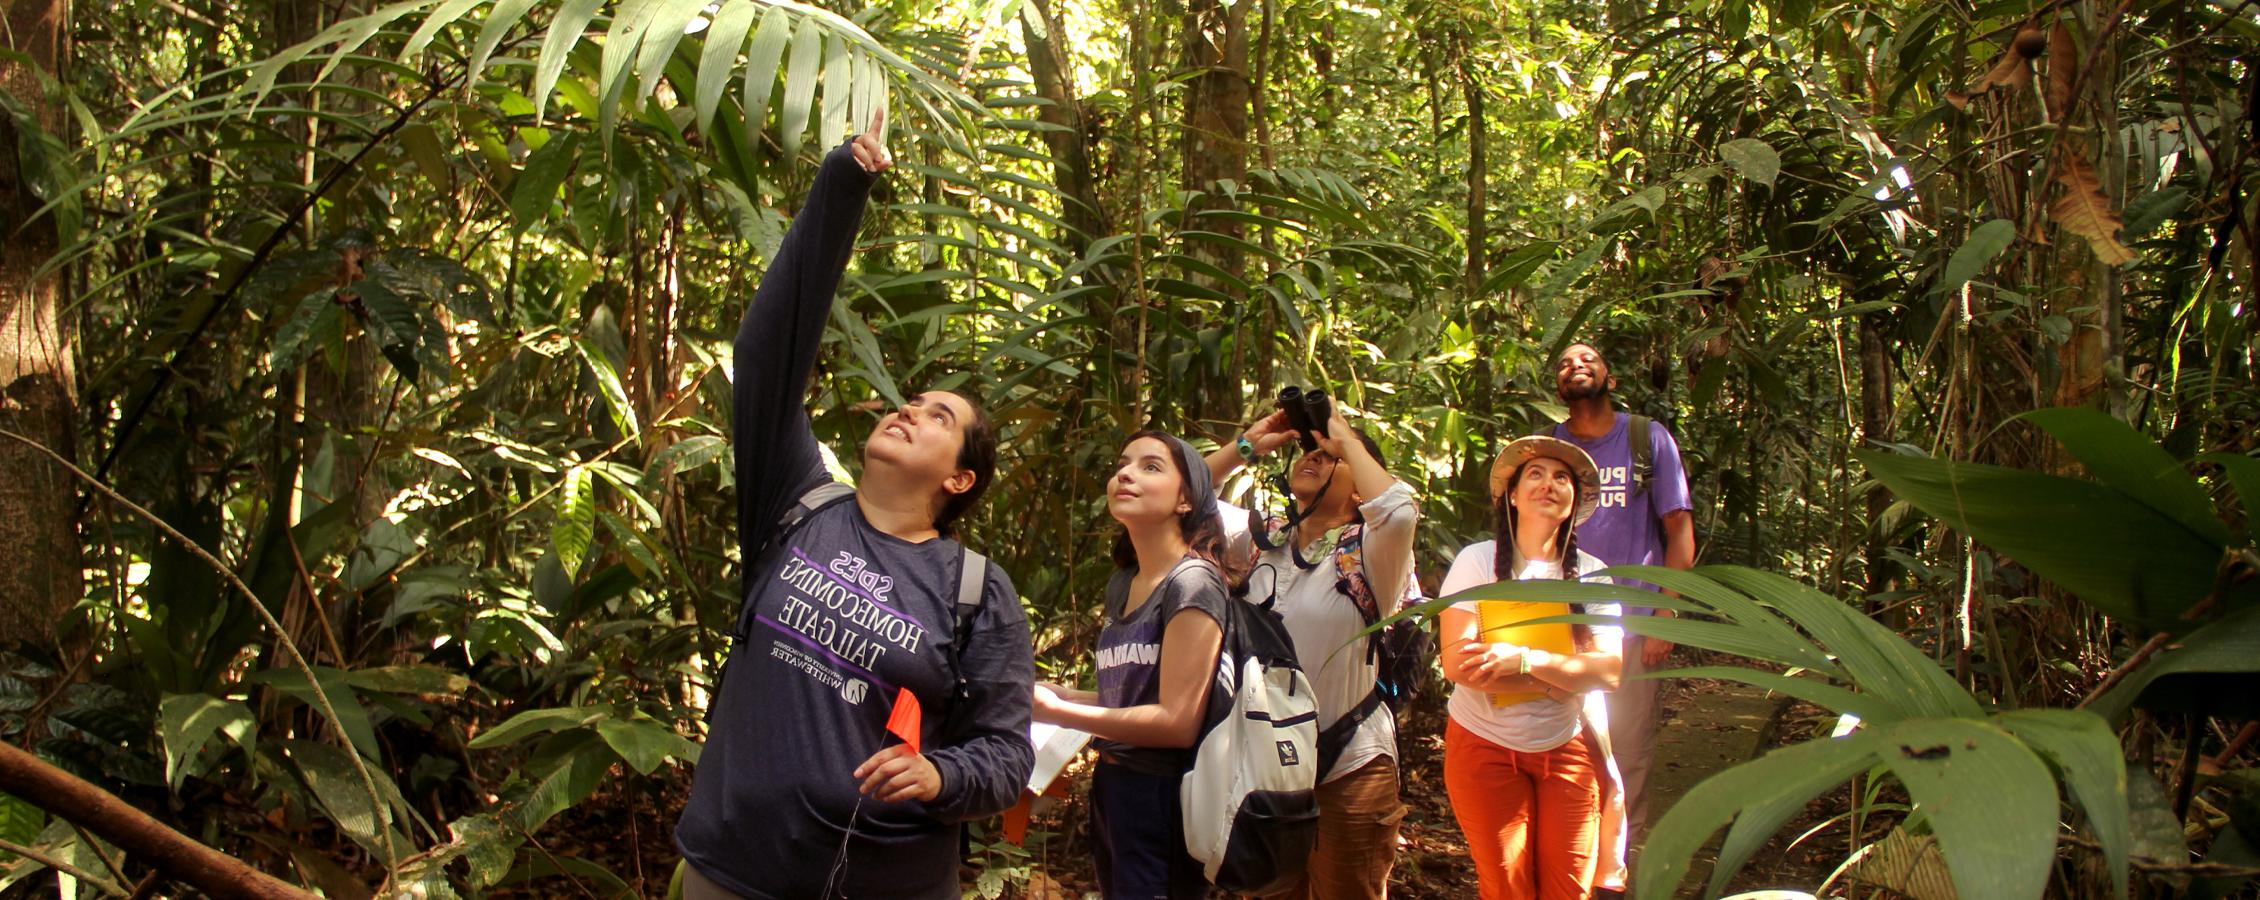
816 498
972 582
1643 454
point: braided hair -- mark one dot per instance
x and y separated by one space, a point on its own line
1503 539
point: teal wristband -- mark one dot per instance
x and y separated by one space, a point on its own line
1247 449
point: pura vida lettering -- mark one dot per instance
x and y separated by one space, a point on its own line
841 612
1616 485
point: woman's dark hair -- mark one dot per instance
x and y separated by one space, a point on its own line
1203 529
979 453
1503 540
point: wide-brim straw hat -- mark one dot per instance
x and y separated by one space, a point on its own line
1581 466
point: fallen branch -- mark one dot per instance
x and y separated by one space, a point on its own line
96 881
68 797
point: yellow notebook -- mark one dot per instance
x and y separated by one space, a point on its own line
1495 624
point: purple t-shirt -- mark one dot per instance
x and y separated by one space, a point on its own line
1628 530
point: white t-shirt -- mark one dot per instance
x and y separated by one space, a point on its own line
1320 619
1541 724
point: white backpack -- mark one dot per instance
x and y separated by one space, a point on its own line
1250 802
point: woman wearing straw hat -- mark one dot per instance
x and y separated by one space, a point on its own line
1526 760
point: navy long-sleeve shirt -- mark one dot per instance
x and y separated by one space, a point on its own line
838 617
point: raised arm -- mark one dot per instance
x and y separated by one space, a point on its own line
775 451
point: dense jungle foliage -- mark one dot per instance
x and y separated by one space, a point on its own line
364 497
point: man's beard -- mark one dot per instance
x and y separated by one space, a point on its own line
1591 390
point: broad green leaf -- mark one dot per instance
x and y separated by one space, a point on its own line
662 35
487 844
2155 834
188 721
1738 608
1764 812
1819 693
686 455
500 20
1986 242
2088 759
352 717
564 33
719 55
2244 474
630 21
761 73
2116 553
602 882
2126 461
1880 662
608 382
1752 159
800 86
1988 797
576 518
2231 644
2230 848
20 822
329 773
1787 773
563 771
645 744
839 83
2145 213
414 678
1560 280
442 16
537 721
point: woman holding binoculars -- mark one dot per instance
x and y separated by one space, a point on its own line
1339 561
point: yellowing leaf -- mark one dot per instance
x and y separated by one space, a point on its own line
2084 210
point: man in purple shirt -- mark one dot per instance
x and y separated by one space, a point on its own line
1641 521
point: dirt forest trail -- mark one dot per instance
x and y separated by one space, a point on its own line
1708 726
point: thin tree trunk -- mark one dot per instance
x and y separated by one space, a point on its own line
1215 149
1482 324
38 383
1070 148
1875 425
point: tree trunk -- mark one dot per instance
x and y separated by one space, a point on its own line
1482 325
1215 149
1070 148
2089 297
1875 425
38 384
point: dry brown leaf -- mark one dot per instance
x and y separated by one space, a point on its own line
1908 865
2063 65
2083 209
1043 887
1959 99
2010 70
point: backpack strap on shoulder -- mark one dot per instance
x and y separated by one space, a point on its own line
972 582
817 498
1643 455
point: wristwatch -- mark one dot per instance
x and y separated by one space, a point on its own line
1247 449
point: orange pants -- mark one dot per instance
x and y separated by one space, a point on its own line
1532 820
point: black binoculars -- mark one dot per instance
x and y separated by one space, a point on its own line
1307 413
